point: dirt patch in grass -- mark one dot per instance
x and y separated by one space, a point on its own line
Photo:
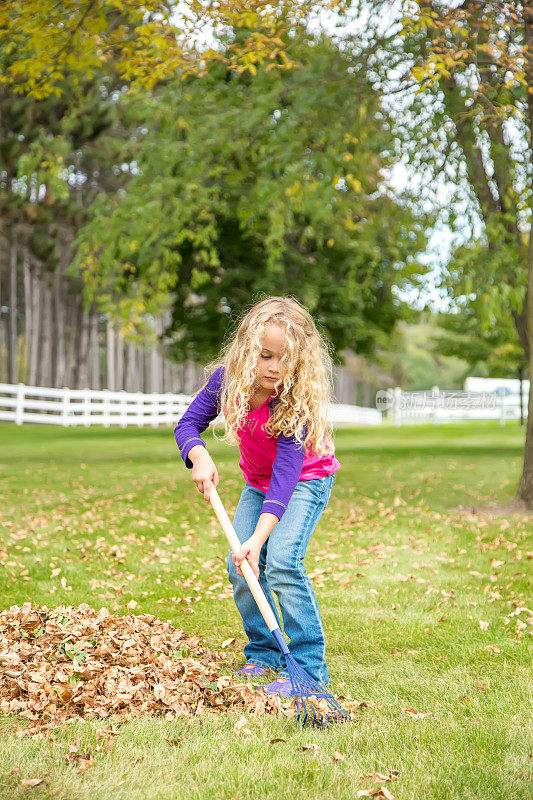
514 509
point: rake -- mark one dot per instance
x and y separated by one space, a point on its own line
328 709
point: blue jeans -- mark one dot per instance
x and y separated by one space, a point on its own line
281 570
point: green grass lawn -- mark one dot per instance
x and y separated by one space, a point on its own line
426 606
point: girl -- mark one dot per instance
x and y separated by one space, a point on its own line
273 383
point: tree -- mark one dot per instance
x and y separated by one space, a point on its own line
55 155
468 71
42 41
481 331
253 184
489 353
415 358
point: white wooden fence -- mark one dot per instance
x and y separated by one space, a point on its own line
443 406
21 404
36 404
344 415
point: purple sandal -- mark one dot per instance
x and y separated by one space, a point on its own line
281 686
251 669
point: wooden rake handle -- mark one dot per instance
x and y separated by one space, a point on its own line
247 571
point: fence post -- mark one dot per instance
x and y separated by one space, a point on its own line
65 406
140 416
396 410
123 417
436 394
87 408
168 406
502 409
106 409
19 408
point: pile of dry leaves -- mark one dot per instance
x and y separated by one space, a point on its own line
57 664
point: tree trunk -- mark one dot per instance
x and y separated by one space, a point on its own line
152 368
35 325
73 333
60 333
83 350
12 328
520 321
142 368
54 330
164 367
119 360
77 334
131 376
95 353
521 394
156 360
524 493
27 313
45 361
110 355
174 388
3 379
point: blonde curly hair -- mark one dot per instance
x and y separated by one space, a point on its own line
306 389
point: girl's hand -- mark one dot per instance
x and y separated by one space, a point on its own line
203 470
249 550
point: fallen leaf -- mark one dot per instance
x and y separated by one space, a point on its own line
27 782
416 714
159 691
85 763
75 746
308 747
88 664
381 793
377 776
240 727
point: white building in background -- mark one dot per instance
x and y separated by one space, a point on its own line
504 386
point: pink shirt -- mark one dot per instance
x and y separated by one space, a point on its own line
273 465
258 451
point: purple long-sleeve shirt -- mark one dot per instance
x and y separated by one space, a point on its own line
272 464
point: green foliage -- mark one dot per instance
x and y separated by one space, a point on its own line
457 73
257 184
416 363
56 154
490 274
493 351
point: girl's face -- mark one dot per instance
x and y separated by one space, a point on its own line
268 363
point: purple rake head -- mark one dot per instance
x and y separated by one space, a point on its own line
327 711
